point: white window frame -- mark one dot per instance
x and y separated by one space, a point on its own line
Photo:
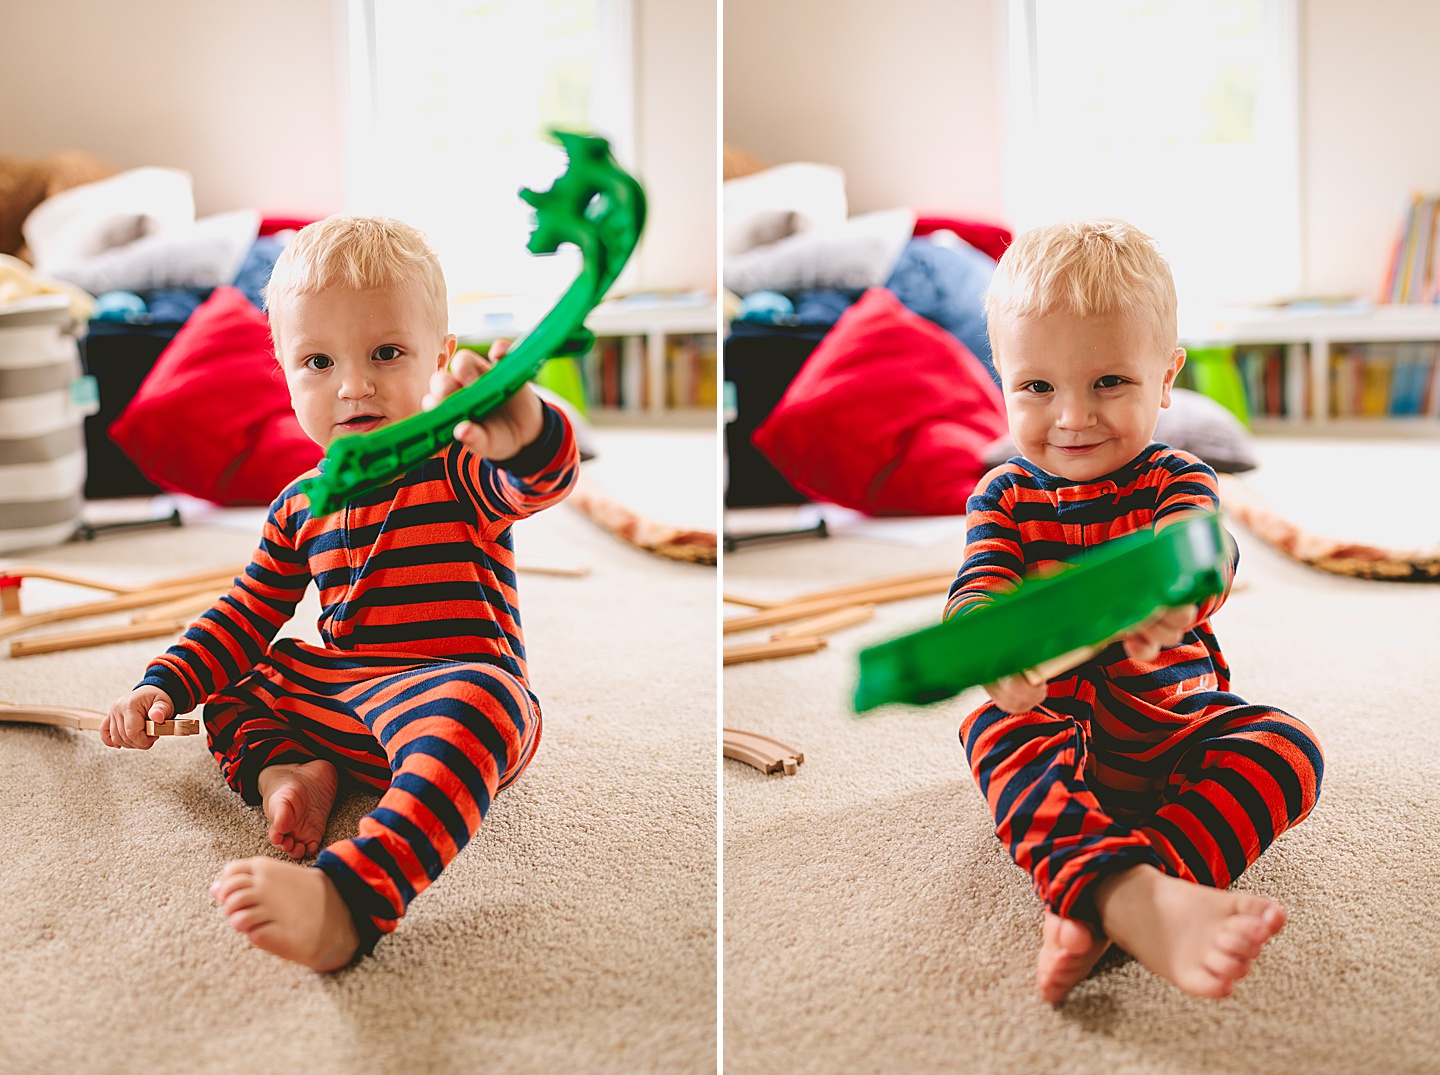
614 107
1277 121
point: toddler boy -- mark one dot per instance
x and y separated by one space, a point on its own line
1135 788
419 690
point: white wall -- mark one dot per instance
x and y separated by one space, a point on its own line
243 94
1370 136
675 125
900 93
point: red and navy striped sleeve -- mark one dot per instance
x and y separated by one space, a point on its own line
226 641
539 475
1188 486
994 560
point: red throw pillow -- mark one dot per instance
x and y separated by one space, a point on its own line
987 238
890 415
213 418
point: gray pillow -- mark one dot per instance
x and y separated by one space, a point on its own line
1193 423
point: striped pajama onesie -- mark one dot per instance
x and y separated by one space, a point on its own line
419 690
1127 762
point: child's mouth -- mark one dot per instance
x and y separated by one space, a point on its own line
1078 449
361 423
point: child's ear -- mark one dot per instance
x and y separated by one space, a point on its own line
1177 359
442 361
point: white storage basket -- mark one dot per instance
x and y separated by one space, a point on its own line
44 398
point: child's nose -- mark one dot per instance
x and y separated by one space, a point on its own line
356 386
1075 413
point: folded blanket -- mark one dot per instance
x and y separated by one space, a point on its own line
83 221
859 253
205 254
784 200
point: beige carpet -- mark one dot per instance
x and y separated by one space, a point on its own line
577 932
873 922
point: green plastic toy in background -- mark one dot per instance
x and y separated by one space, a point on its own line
597 206
1049 625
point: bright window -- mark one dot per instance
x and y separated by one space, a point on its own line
449 103
1177 115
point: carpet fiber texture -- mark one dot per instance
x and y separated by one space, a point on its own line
576 932
874 923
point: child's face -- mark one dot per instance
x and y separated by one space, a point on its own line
1081 393
357 360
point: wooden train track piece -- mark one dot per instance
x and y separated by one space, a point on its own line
13 625
87 720
96 636
190 605
750 602
764 651
859 591
13 575
824 625
764 753
814 606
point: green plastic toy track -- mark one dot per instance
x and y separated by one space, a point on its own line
597 206
1106 593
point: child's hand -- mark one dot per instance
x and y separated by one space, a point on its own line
124 725
1016 694
1146 643
512 426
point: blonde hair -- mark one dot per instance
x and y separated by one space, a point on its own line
1086 268
358 252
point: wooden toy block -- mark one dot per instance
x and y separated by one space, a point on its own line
86 720
766 754
98 636
820 626
763 651
9 595
174 726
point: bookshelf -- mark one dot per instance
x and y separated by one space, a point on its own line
1357 370
654 360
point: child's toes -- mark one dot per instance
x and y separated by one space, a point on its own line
1226 967
248 918
1240 942
230 879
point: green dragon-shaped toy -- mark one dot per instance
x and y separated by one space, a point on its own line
597 206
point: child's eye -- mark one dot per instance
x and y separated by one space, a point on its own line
1110 381
387 353
1037 387
318 362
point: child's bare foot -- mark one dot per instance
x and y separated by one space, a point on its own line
289 910
1068 952
1200 939
297 800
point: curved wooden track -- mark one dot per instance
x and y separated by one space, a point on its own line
766 754
87 720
